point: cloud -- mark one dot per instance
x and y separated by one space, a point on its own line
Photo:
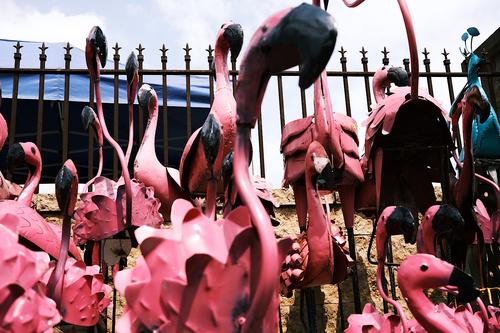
24 22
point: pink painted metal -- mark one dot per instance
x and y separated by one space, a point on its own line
422 272
33 228
392 221
204 283
132 69
194 166
147 168
281 42
112 206
318 255
413 109
196 244
24 306
79 291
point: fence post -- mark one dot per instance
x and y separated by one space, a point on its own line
281 103
116 107
164 59
15 91
140 60
67 61
210 59
427 64
406 64
364 61
343 62
187 59
451 93
385 59
41 92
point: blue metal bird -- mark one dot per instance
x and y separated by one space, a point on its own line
485 132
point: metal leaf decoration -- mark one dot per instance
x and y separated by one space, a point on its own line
473 31
465 36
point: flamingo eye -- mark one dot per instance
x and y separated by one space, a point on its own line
424 267
33 151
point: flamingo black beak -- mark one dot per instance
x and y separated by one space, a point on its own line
307 35
15 157
145 95
467 291
89 119
96 46
210 135
449 224
63 182
234 36
132 70
398 76
401 222
325 2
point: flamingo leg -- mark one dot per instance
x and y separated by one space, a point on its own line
347 198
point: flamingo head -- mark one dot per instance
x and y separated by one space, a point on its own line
394 220
24 153
480 105
210 136
96 52
132 70
304 36
398 76
148 100
425 271
89 118
317 161
448 224
67 187
231 36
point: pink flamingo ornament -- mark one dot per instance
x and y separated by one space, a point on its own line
337 133
112 206
35 232
194 163
318 255
132 69
147 168
79 291
421 272
409 182
394 220
221 296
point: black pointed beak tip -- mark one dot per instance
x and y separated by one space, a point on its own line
144 96
63 182
398 76
467 291
210 136
88 117
234 35
97 40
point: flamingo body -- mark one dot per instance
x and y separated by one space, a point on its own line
193 164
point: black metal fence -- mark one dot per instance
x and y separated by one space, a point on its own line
65 133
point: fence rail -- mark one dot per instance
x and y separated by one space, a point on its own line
17 71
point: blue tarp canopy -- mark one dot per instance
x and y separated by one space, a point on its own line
51 148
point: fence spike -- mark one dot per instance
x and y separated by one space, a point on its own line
445 54
116 48
163 51
43 48
385 59
140 49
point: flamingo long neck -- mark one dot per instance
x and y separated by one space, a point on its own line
116 146
31 184
99 168
412 43
380 84
323 115
315 208
397 306
464 186
265 265
221 65
130 132
147 147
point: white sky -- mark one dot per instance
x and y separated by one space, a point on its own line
374 24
